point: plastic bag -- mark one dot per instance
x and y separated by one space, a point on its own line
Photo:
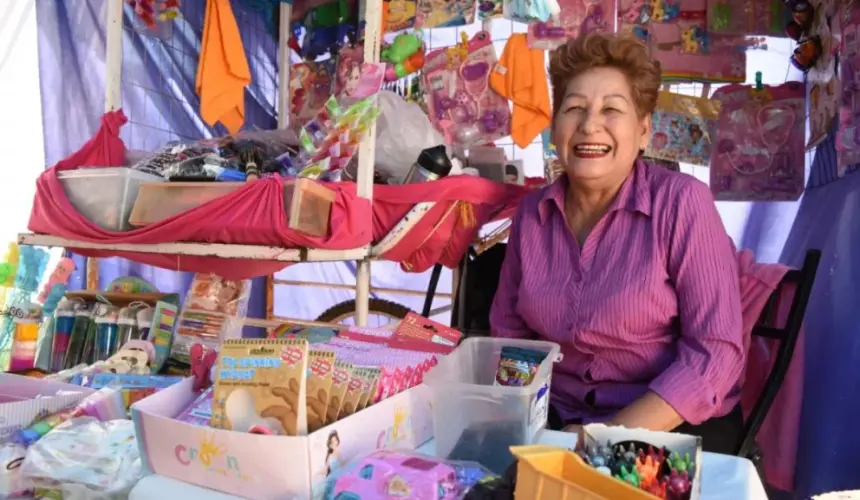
403 131
410 475
85 459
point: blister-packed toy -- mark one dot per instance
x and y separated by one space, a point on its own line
576 17
758 151
214 310
85 459
444 13
310 85
684 128
459 99
393 474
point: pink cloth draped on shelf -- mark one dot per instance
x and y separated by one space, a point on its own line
255 215
778 435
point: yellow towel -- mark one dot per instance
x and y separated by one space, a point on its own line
223 71
520 76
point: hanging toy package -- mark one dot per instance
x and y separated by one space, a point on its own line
576 17
527 11
758 154
684 128
444 13
461 103
155 17
848 138
748 17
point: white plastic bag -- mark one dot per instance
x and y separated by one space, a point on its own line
402 131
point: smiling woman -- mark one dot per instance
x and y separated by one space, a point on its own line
627 266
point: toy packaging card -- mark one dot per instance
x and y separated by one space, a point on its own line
260 384
310 87
684 128
577 17
748 17
444 13
340 378
213 309
461 103
399 15
758 151
676 33
320 367
822 80
848 138
490 9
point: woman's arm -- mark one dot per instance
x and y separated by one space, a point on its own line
504 319
710 350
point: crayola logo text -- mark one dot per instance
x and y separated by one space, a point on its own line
209 456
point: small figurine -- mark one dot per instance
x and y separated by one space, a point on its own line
626 455
595 458
629 476
648 470
679 464
807 53
658 489
656 454
201 366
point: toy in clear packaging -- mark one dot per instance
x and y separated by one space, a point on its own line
399 15
26 320
444 13
391 474
848 137
576 17
518 366
60 275
758 151
404 56
683 128
310 85
748 17
461 104
526 11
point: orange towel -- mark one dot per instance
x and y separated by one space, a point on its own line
520 76
223 72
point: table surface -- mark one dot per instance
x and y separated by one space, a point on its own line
724 477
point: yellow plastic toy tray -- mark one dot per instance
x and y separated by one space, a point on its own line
551 473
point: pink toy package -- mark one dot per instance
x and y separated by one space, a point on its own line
676 33
459 99
386 475
758 153
199 413
577 16
848 138
747 17
684 128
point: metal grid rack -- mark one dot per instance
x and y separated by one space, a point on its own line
113 101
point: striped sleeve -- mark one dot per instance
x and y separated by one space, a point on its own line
505 321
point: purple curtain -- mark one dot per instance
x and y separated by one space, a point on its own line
158 79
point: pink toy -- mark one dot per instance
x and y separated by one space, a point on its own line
577 17
848 139
199 413
676 32
386 475
758 152
461 103
60 276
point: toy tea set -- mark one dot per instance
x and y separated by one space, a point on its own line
758 153
460 102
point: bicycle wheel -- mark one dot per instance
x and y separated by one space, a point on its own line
385 310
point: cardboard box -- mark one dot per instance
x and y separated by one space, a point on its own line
20 407
595 434
271 467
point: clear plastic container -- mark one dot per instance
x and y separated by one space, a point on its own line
475 420
106 195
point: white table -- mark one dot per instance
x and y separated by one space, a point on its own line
724 477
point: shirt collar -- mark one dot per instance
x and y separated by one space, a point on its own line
634 196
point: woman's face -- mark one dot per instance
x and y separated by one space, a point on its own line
597 132
333 442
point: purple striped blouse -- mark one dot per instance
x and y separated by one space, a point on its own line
650 302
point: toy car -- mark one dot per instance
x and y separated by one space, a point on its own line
387 475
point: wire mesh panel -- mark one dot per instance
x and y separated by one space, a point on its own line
159 76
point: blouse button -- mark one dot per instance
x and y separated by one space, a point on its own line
588 375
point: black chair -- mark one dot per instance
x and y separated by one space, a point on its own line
802 279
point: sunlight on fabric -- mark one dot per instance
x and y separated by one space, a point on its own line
21 122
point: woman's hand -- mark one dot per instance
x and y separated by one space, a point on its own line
577 429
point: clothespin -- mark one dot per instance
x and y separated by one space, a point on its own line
758 85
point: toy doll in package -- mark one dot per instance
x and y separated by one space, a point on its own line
758 151
576 17
444 13
684 128
848 138
461 103
676 33
214 309
310 86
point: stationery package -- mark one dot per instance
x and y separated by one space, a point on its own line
214 310
684 128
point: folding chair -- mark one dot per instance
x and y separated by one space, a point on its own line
803 280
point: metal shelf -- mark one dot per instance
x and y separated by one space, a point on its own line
223 251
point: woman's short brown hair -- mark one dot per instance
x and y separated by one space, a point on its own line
622 51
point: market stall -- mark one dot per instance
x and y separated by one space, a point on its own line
391 384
